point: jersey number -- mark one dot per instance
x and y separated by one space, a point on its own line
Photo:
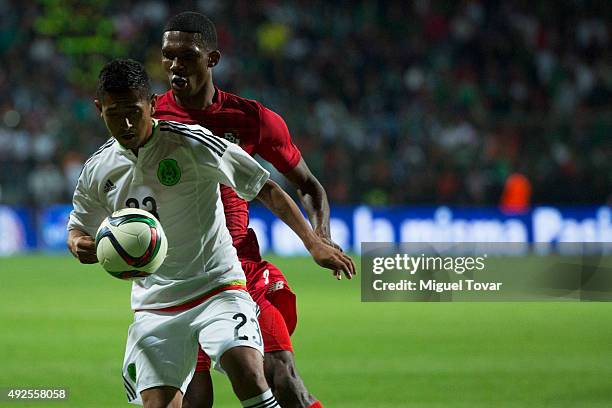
243 319
146 203
242 322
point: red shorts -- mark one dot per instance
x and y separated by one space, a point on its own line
278 315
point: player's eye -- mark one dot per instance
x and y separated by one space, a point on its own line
134 114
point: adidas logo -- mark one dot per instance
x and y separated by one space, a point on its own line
109 186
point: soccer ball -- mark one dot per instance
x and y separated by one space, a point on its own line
131 244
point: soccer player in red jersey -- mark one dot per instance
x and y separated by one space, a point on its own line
189 52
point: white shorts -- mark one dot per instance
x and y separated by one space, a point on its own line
162 347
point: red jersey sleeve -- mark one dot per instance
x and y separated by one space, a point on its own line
275 144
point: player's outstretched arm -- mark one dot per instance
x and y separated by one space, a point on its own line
82 246
313 198
279 202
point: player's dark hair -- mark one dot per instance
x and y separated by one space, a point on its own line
120 75
199 24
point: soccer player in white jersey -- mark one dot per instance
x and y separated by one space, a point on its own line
198 295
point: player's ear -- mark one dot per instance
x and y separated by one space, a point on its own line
98 105
213 58
153 102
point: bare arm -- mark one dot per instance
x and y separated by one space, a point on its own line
82 246
313 198
279 202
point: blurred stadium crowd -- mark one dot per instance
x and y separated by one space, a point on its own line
391 102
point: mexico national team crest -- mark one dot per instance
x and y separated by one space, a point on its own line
168 172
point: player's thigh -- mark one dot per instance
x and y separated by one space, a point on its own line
274 330
244 367
160 351
230 321
200 393
243 361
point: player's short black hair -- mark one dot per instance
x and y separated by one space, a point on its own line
199 24
120 75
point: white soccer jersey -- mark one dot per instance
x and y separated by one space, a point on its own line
176 177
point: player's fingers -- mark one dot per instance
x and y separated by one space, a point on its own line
348 272
86 252
338 247
86 243
345 268
340 266
337 262
331 243
351 264
335 267
346 265
87 258
90 250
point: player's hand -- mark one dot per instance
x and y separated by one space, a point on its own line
327 239
84 249
332 258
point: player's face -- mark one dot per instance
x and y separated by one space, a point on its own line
128 117
187 63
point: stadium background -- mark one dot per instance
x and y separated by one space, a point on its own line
460 114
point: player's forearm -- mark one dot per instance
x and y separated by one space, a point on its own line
313 198
281 204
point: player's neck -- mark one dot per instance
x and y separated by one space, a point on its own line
201 100
150 131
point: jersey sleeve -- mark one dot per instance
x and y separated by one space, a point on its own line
228 164
87 212
275 144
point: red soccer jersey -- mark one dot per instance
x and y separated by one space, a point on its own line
256 129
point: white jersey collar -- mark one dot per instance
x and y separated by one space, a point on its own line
150 143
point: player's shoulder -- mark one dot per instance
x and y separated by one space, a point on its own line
236 102
102 156
193 135
183 129
256 113
166 108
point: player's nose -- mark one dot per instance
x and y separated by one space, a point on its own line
128 124
176 66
